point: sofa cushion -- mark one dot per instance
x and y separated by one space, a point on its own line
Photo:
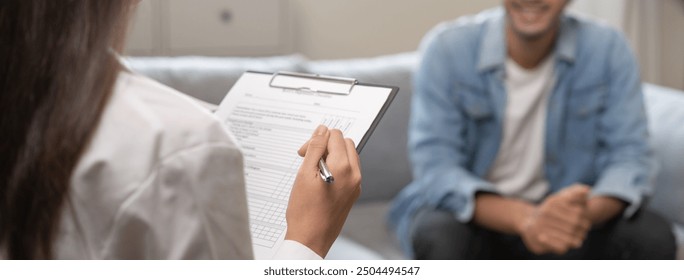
665 109
366 226
208 78
384 161
347 249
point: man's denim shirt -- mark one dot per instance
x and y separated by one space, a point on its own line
596 128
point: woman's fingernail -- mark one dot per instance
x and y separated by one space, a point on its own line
320 130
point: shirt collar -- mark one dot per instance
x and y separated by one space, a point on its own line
493 54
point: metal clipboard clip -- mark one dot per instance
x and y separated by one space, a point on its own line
312 83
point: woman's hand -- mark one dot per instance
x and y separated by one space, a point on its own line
317 210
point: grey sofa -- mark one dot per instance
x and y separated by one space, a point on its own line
384 159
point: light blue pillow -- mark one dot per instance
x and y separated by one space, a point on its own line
665 108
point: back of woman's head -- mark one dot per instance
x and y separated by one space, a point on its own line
56 74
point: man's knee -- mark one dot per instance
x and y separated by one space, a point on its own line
437 234
646 236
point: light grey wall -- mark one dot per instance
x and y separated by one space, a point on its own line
362 28
319 29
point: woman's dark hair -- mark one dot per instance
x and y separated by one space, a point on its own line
57 71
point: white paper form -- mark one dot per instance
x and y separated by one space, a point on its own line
270 124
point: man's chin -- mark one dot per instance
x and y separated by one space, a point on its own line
530 35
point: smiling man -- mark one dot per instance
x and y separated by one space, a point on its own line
528 139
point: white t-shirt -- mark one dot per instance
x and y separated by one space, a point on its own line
518 170
161 179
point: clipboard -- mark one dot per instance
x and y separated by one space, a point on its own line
347 86
270 115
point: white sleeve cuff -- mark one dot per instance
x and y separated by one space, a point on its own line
293 250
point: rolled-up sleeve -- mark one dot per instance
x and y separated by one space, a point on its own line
627 165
